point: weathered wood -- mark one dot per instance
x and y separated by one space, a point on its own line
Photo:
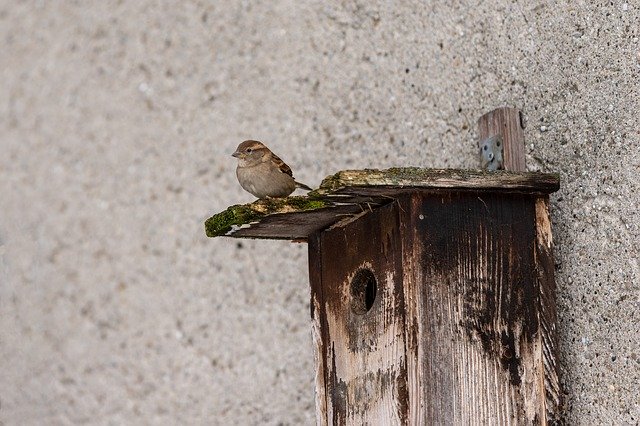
413 178
548 336
507 122
361 343
319 328
293 218
474 325
349 193
469 280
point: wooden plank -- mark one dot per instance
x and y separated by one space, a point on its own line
412 288
508 123
286 218
362 337
548 337
389 180
319 329
298 225
470 274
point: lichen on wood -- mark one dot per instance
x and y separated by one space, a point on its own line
439 178
244 214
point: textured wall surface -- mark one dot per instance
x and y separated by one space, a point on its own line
116 124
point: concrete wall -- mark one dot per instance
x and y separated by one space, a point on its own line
116 124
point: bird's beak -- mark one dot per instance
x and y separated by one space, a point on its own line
236 154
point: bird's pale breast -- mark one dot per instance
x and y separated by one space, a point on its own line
264 180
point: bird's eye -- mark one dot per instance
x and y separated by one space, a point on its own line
249 150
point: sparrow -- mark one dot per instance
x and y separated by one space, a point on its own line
262 173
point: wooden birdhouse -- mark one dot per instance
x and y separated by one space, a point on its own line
432 291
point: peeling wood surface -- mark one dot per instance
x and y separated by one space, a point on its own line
476 334
467 263
464 329
362 352
291 218
547 307
299 225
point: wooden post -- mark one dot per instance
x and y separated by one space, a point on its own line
509 123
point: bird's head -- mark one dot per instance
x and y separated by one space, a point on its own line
250 152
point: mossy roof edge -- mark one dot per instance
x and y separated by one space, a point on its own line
244 214
327 194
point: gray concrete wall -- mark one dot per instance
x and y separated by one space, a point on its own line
116 124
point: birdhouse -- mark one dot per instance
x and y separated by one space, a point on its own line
432 292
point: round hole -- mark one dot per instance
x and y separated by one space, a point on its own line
363 291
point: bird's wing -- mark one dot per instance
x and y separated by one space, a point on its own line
282 165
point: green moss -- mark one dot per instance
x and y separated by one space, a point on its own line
222 223
244 214
369 177
306 203
329 183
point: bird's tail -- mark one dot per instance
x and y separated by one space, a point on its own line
303 186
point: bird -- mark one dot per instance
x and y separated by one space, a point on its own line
262 173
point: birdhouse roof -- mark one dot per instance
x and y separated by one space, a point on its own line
349 194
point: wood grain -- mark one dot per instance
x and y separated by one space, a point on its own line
475 339
363 353
319 329
508 123
411 177
548 336
463 329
